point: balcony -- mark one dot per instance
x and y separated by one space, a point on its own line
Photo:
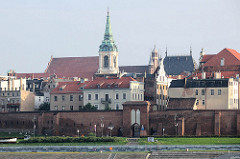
106 101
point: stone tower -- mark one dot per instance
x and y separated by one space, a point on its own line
153 63
108 53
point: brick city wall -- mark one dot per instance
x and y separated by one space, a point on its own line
200 122
180 122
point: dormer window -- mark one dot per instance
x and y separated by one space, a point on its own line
108 86
98 85
222 62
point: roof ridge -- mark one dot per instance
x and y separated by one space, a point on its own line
74 57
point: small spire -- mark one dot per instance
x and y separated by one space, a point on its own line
154 49
107 11
190 50
166 51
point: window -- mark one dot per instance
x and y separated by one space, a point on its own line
55 98
222 62
71 97
196 92
63 107
47 99
203 102
141 97
105 61
203 92
39 99
124 96
197 102
117 96
114 61
89 96
71 107
63 98
96 96
56 107
12 94
117 107
80 97
212 91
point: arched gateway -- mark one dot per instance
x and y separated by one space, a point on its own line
136 130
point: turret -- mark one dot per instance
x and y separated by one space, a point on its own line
153 63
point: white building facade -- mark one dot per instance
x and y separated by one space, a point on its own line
112 93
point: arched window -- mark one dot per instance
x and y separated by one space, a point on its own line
106 61
114 61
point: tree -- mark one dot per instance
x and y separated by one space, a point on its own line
44 106
89 107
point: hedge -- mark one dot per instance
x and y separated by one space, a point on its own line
58 139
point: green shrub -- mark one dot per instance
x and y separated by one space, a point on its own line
57 139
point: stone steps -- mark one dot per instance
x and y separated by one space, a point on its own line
195 155
132 141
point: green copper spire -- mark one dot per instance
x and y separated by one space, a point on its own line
108 42
108 30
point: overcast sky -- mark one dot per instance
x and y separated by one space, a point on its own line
33 30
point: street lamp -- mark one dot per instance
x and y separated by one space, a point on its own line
102 125
34 125
78 132
110 127
176 128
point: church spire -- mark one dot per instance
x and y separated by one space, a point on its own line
108 29
108 42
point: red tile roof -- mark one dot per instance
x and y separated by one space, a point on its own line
67 87
231 57
84 67
206 58
109 83
209 75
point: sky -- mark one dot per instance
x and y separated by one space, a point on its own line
33 31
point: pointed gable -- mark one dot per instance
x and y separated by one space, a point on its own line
231 57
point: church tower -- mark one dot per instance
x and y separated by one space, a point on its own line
108 53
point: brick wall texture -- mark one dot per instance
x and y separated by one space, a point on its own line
169 122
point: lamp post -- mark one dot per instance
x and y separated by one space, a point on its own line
110 127
176 128
78 132
102 125
34 125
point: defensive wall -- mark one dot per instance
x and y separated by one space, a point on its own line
165 122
